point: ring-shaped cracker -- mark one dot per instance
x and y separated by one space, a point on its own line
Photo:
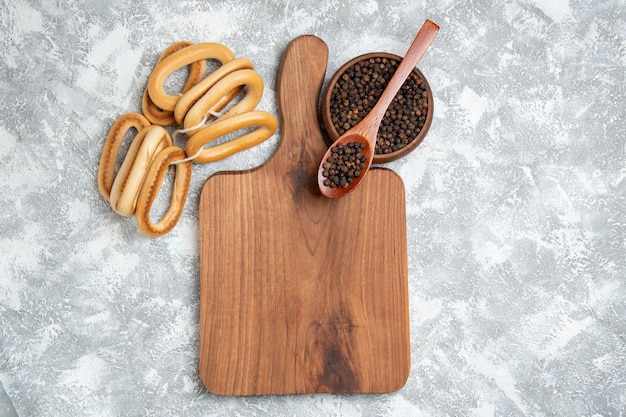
150 190
184 57
132 174
265 124
106 170
253 92
196 92
155 114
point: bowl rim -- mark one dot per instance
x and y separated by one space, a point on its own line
331 133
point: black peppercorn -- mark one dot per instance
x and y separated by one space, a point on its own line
345 164
357 91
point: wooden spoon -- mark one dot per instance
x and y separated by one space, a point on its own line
366 130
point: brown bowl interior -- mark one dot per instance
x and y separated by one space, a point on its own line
331 131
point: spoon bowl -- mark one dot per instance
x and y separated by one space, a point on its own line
366 130
367 151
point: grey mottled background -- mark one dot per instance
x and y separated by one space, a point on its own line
516 207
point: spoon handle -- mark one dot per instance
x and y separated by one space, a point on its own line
422 40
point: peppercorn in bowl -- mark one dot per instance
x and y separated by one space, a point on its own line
355 88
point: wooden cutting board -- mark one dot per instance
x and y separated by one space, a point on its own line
300 293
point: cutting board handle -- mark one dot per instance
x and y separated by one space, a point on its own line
302 145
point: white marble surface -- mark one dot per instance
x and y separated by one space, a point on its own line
516 207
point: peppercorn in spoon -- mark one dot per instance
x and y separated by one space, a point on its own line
348 159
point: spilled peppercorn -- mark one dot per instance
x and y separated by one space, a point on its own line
345 163
358 89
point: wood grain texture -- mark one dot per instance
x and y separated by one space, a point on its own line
300 293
